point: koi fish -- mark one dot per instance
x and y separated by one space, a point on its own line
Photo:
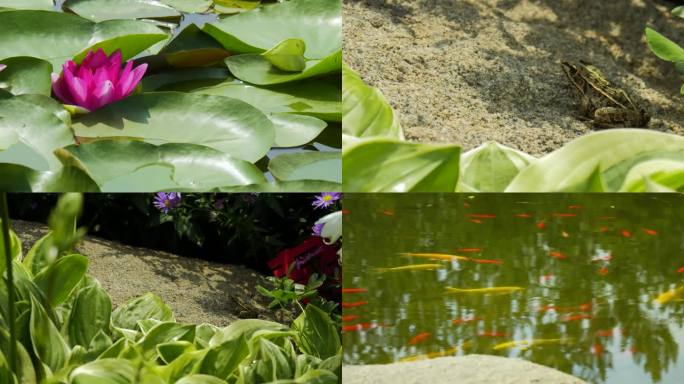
354 290
419 338
680 270
670 295
597 349
413 267
359 327
486 261
465 320
564 214
476 221
437 256
527 344
523 215
604 333
626 233
431 355
469 250
603 271
388 213
604 229
577 317
353 304
541 224
480 215
489 290
574 206
650 232
349 318
565 234
492 334
557 255
586 307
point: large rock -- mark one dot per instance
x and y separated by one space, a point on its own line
470 369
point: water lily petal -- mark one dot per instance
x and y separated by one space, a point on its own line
114 68
96 60
76 87
2 66
124 80
60 89
137 75
102 95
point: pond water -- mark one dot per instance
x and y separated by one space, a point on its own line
578 281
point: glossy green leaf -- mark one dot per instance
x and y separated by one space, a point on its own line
317 22
163 333
169 351
189 6
365 111
57 37
294 130
105 371
15 249
288 55
193 48
200 379
90 314
228 125
48 343
491 167
663 47
43 5
659 175
256 69
317 334
147 306
186 79
244 329
61 277
325 166
17 178
235 6
381 165
137 166
287 186
678 11
272 362
26 75
100 10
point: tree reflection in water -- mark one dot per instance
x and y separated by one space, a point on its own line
613 255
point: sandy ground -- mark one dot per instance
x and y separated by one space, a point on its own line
470 71
471 369
198 291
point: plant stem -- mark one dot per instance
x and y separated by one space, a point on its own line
4 215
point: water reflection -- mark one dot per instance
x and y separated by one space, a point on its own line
590 268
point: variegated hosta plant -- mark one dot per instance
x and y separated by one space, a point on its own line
377 159
142 95
665 48
66 330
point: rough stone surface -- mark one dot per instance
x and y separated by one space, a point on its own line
471 369
198 291
470 71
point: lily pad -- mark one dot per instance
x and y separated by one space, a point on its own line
256 69
189 6
325 166
43 5
193 48
186 79
295 130
228 125
235 6
18 178
288 55
26 75
287 186
100 10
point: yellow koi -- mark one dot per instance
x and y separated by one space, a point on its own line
485 291
526 344
431 355
436 256
670 295
413 267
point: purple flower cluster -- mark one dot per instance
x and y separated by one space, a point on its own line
326 199
166 201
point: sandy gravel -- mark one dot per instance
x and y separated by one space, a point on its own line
198 291
470 71
471 369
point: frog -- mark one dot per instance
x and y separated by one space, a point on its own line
601 103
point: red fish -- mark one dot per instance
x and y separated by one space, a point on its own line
466 205
650 232
345 211
564 214
586 307
557 255
626 233
353 304
597 349
541 224
359 327
388 213
481 215
354 290
523 215
603 271
476 221
604 333
469 250
349 318
465 320
487 261
492 334
574 206
419 338
680 270
604 229
577 317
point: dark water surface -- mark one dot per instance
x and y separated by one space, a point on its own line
584 273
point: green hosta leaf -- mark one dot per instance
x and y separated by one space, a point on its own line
244 329
200 379
42 5
288 186
162 333
192 48
147 306
169 351
228 125
189 6
365 111
491 167
659 175
90 314
294 130
313 376
663 47
325 166
137 166
381 165
15 249
288 55
256 69
317 334
186 364
57 37
47 342
61 277
105 371
26 75
100 10
317 22
615 152
272 362
678 11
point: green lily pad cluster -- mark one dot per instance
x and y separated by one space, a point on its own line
67 332
250 101
376 158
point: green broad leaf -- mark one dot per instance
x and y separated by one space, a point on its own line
235 6
137 166
317 334
244 329
658 175
15 249
491 167
57 37
294 130
41 5
288 55
313 376
324 166
287 186
60 278
48 344
26 75
90 314
663 47
227 125
365 111
193 48
189 6
17 178
186 79
272 362
170 351
105 371
382 165
30 133
147 306
654 187
256 69
25 370
615 151
100 10
200 379
188 363
678 11
223 358
163 333
321 99
317 22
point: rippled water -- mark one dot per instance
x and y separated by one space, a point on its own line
590 269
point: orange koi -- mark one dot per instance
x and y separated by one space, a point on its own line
481 215
577 317
626 233
492 334
604 333
586 307
680 270
465 320
557 255
574 206
523 215
468 250
359 327
476 221
564 214
354 290
349 317
604 229
487 261
649 232
603 271
419 338
597 349
541 224
388 213
353 304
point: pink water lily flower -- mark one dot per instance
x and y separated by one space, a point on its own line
99 80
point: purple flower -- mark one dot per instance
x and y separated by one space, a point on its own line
326 199
97 81
165 201
316 229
